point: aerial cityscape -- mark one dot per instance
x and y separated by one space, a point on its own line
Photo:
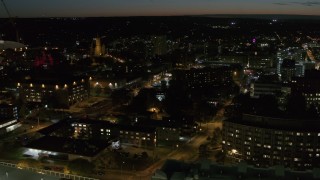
159 90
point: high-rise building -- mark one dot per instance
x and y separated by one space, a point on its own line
287 70
97 48
308 86
160 45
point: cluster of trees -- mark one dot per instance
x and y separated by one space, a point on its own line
80 166
177 102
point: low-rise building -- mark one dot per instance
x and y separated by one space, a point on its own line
61 148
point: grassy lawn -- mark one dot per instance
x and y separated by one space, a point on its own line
10 151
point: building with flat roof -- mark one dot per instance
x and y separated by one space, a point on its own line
203 77
103 130
59 90
8 118
267 141
65 148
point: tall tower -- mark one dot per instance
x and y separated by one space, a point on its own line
97 48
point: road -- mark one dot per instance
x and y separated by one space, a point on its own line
187 152
10 173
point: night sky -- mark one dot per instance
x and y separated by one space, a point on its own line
83 8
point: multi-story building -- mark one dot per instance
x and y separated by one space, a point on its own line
293 53
160 45
137 135
308 86
197 78
265 141
287 70
95 129
3 72
8 111
62 91
142 133
261 88
8 118
167 133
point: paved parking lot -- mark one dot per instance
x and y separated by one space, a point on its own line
8 173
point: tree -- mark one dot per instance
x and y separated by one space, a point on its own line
107 90
217 136
81 166
144 100
144 155
98 90
296 105
177 101
220 156
120 96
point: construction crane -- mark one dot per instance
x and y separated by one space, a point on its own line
11 20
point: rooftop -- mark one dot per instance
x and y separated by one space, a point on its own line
212 170
67 145
279 123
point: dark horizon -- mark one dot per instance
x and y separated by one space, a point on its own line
255 16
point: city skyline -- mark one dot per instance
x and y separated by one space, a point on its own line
97 8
